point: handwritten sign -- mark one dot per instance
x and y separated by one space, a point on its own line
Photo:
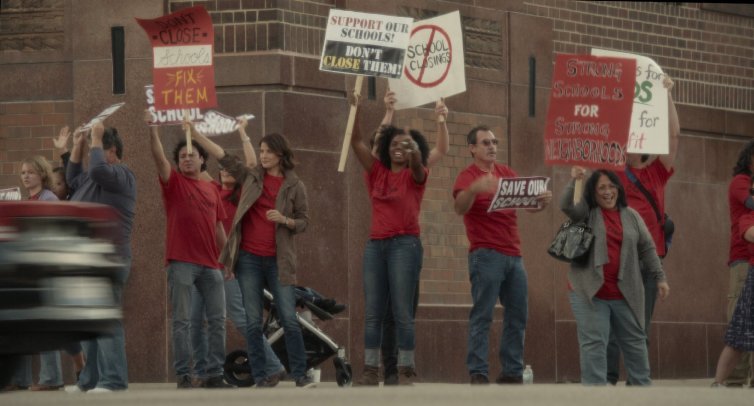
590 111
169 116
182 47
434 65
649 133
216 123
102 116
518 193
365 44
13 193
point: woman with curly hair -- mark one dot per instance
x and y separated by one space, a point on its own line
396 183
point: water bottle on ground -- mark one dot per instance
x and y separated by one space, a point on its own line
528 375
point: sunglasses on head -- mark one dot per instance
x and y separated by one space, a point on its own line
489 142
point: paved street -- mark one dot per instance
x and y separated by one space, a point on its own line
666 393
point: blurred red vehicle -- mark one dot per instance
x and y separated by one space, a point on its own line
57 268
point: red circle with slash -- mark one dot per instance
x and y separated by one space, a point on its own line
420 79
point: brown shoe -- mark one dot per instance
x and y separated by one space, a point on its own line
370 377
13 388
504 380
406 376
44 388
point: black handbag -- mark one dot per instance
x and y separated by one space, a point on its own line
572 243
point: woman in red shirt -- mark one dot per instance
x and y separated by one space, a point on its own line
396 183
608 292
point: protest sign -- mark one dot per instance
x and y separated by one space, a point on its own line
216 123
102 116
649 133
434 65
13 193
183 71
365 44
590 111
518 193
169 116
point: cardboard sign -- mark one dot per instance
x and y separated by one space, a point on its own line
518 193
102 116
170 116
590 111
13 193
650 129
434 65
183 71
365 44
216 123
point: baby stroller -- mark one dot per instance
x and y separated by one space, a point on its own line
319 347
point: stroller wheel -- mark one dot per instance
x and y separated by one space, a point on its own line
343 373
237 370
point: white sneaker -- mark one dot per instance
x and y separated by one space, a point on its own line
73 389
99 390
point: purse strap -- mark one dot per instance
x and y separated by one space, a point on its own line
630 175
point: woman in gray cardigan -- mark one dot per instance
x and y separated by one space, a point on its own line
607 291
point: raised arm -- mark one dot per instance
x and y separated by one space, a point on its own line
443 139
158 154
74 167
249 154
574 211
390 100
675 128
363 154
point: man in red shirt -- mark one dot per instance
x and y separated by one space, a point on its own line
195 236
652 173
740 203
496 269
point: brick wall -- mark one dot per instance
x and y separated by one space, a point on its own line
261 25
708 52
27 129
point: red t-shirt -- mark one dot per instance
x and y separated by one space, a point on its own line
614 229
497 230
258 232
744 223
738 192
396 201
653 177
228 206
193 209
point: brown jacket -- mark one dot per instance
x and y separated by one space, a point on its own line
291 202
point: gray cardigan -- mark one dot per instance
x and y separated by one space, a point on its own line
637 254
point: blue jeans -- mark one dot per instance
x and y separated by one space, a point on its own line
49 370
613 352
254 272
495 276
106 364
391 274
183 278
595 319
236 313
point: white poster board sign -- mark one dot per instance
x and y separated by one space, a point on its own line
103 115
518 193
365 44
215 123
434 65
171 116
649 133
13 193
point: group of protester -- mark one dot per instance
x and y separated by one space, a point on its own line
229 239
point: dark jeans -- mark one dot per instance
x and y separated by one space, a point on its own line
390 338
613 352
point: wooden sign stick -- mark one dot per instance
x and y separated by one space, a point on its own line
349 126
578 190
188 133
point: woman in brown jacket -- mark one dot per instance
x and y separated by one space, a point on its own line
260 248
